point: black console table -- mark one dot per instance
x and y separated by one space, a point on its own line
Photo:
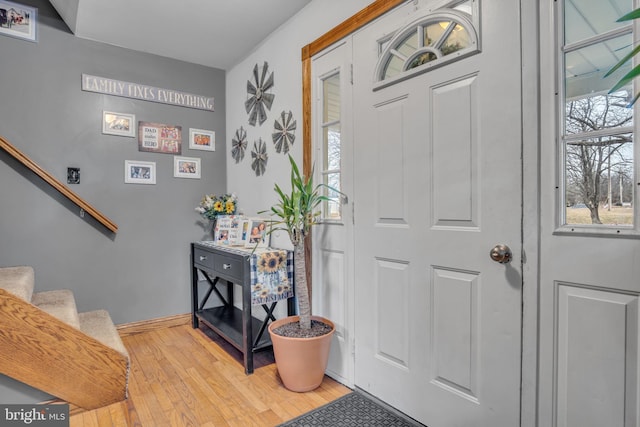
221 265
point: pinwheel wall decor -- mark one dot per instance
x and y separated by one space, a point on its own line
239 144
282 135
258 97
259 156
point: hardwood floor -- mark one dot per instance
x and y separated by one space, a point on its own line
181 377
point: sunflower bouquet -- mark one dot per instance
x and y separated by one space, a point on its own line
211 206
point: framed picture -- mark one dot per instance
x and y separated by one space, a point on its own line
227 231
73 175
159 138
186 167
257 233
243 231
200 139
17 20
221 236
118 124
137 172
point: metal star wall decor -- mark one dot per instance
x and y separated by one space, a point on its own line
282 135
259 156
239 144
258 96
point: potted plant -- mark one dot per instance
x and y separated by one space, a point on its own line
300 343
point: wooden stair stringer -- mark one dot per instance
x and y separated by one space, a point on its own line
44 352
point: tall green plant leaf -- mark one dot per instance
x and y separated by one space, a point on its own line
627 78
620 63
634 14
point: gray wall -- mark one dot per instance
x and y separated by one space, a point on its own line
142 271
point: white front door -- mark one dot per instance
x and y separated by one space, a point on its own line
437 184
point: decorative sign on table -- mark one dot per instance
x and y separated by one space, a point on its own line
237 230
147 93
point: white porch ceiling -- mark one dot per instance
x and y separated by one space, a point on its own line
586 66
215 33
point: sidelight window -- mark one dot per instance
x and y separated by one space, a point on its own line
597 146
331 145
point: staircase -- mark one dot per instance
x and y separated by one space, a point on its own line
47 344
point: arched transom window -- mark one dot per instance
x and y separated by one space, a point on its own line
434 40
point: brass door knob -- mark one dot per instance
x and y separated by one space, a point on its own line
501 254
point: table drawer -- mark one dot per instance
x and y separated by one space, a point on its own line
204 258
230 266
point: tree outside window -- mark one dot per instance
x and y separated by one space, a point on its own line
597 130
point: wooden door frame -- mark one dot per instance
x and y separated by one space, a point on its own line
355 22
337 33
530 35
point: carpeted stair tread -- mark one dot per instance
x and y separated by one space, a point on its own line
99 325
60 304
18 280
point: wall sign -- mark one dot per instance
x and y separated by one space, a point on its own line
159 138
147 93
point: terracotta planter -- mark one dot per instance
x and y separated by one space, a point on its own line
301 362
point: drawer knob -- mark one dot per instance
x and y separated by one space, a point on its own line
202 258
226 266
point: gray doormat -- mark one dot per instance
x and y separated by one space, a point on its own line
354 409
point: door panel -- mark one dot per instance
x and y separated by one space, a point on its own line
391 288
597 371
455 131
455 366
391 204
333 240
438 184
